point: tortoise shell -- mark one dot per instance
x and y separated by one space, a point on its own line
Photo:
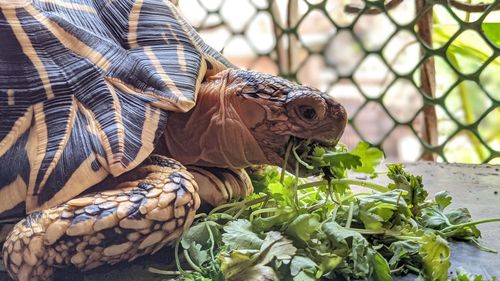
85 87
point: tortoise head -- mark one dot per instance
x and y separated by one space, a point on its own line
243 118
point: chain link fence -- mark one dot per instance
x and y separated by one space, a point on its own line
419 78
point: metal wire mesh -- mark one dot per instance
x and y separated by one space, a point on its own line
420 78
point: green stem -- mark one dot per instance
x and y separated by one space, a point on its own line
334 212
385 232
338 200
349 215
317 206
295 185
190 262
370 185
234 209
449 228
257 200
240 206
348 198
166 272
265 201
329 192
374 186
262 211
413 223
297 157
224 206
312 184
212 241
322 204
285 161
177 261
307 194
369 231
482 247
238 214
412 268
200 216
397 270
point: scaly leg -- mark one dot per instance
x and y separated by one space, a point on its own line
135 218
218 186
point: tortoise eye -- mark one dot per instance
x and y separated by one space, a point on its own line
307 112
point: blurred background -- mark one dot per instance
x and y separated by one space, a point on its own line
419 78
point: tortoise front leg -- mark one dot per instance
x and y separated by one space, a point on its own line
135 218
218 186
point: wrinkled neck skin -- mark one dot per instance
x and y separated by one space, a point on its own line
216 132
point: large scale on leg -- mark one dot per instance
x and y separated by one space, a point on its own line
88 90
148 208
136 217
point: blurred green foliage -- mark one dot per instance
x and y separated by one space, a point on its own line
471 64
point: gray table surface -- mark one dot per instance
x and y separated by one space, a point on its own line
476 187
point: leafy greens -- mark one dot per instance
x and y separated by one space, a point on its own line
299 230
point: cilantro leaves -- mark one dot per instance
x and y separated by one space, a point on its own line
302 230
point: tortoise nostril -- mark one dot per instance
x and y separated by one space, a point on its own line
341 113
307 112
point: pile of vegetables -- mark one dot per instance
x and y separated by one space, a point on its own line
322 227
319 228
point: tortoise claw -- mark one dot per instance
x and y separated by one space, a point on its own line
136 218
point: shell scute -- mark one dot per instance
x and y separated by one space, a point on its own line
89 87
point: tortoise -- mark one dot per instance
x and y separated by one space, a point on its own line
117 121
